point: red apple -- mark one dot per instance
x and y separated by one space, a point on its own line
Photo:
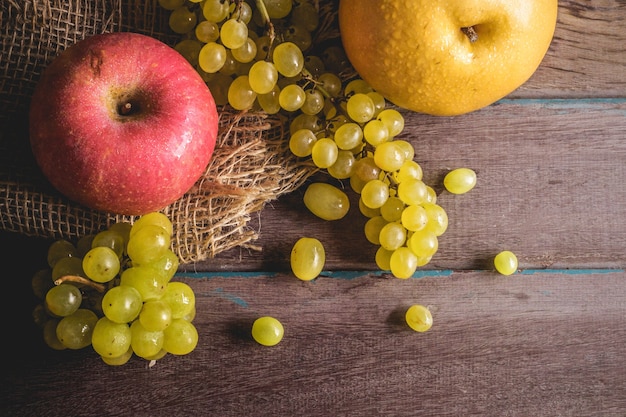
121 122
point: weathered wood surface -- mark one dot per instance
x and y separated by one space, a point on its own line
548 341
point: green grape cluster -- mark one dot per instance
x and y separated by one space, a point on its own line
113 291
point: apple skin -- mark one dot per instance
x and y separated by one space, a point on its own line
121 160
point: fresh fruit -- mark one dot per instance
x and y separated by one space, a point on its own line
419 318
460 180
505 262
267 331
446 58
121 122
307 258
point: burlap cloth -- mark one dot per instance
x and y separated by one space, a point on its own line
251 164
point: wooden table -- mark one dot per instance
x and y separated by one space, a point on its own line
547 341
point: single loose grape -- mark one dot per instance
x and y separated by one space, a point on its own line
267 331
419 318
326 201
505 262
460 180
307 258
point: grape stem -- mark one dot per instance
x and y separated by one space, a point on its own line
260 4
80 280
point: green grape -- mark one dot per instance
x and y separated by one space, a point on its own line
166 266
305 121
432 195
379 102
367 169
269 101
171 4
242 12
180 298
299 36
505 262
50 335
215 10
460 180
403 263
110 339
182 20
146 280
392 236
343 167
123 228
368 212
288 59
155 315
262 77
389 156
240 94
437 218
267 331
84 244
360 108
394 121
110 239
60 249
383 258
412 191
278 9
233 33
212 57
101 264
148 244
301 142
207 31
122 304
63 300
119 360
372 229
419 318
348 136
392 209
291 97
375 193
375 132
409 170
75 331
68 266
330 83
357 86
307 258
326 201
305 14
145 343
313 102
423 243
180 337
414 217
41 282
324 153
409 151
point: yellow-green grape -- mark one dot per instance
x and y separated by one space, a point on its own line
414 217
278 9
180 337
383 258
50 334
215 10
246 52
233 33
155 315
305 121
63 300
357 184
291 97
182 20
343 167
392 209
505 262
375 132
242 12
110 339
326 201
366 169
432 195
375 193
240 95
288 59
437 218
313 102
84 244
148 244
379 102
423 243
267 331
120 360
158 356
212 57
358 85
180 298
392 236
75 331
394 121
60 249
111 239
269 101
460 180
368 212
403 263
324 153
307 258
145 343
412 191
301 142
122 304
419 318
407 147
348 136
68 266
146 280
101 264
190 50
360 108
389 156
262 77
372 229
330 83
207 31
166 266
409 170
171 4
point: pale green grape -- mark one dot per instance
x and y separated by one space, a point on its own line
101 264
313 102
392 209
111 239
207 31
233 33
267 331
166 266
409 170
403 263
122 304
63 300
75 331
180 337
437 218
242 12
414 217
412 191
262 77
305 121
110 339
392 236
357 86
143 342
460 180
50 334
123 229
326 201
278 9
68 266
375 132
60 249
324 153
423 243
394 121
291 97
330 83
505 262
215 10
146 280
409 151
432 195
148 244
372 229
212 57
240 94
269 101
375 193
419 318
180 298
155 315
360 108
348 136
301 142
307 258
389 156
182 20
120 360
379 102
383 258
288 59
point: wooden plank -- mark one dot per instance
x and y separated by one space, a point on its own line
536 343
551 177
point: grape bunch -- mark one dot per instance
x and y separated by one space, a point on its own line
113 291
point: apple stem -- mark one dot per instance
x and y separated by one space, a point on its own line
470 32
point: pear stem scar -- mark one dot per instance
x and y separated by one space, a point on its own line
470 32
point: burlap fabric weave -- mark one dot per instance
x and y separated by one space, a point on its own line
251 164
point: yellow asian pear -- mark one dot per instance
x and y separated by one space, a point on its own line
446 57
